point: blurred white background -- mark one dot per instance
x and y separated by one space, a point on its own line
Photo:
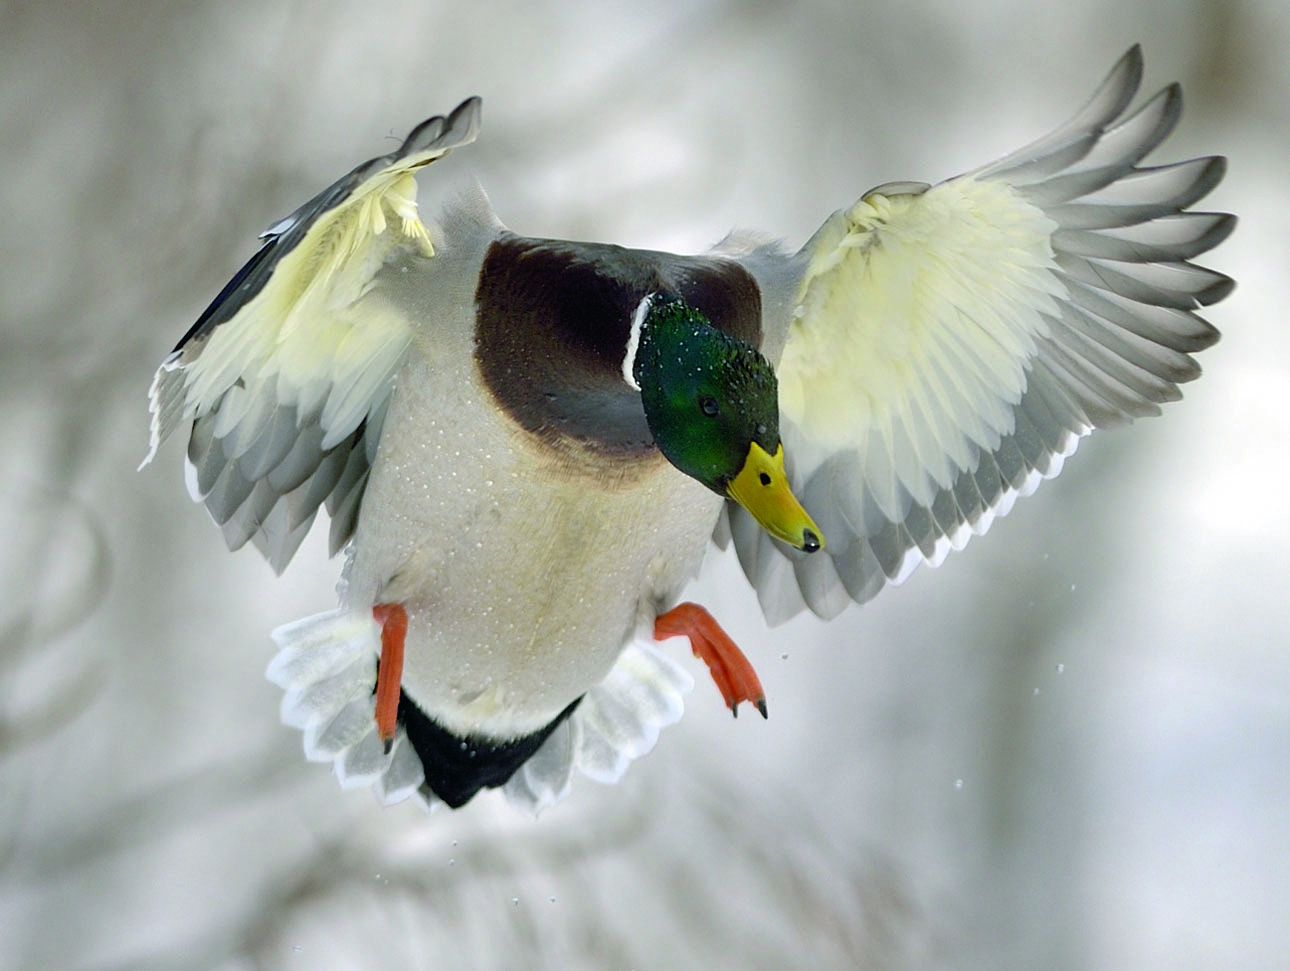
1067 748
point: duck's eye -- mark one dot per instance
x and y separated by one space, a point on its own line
709 405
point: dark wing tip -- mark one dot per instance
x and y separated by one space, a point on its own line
1125 78
459 127
1222 286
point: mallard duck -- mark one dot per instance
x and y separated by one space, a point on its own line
526 446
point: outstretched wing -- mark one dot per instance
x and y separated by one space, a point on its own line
286 376
949 345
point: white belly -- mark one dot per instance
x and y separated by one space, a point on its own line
523 572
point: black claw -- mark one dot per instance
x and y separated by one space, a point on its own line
761 707
734 708
389 744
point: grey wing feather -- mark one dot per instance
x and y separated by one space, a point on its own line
264 464
1115 346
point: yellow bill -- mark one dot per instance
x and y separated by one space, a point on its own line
761 487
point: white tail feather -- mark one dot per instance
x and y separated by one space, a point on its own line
326 664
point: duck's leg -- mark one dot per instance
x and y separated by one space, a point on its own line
389 676
731 670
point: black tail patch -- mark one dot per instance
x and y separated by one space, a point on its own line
457 767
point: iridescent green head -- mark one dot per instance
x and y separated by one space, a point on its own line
712 404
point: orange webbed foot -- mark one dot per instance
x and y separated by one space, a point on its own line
389 676
730 668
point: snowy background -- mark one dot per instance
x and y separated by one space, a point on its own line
1067 748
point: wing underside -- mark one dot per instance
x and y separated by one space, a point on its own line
286 377
951 344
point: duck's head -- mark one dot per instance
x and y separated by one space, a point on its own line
712 404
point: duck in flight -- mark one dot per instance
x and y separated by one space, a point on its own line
525 446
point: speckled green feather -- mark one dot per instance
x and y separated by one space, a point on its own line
707 395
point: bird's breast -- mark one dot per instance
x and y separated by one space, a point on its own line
524 569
